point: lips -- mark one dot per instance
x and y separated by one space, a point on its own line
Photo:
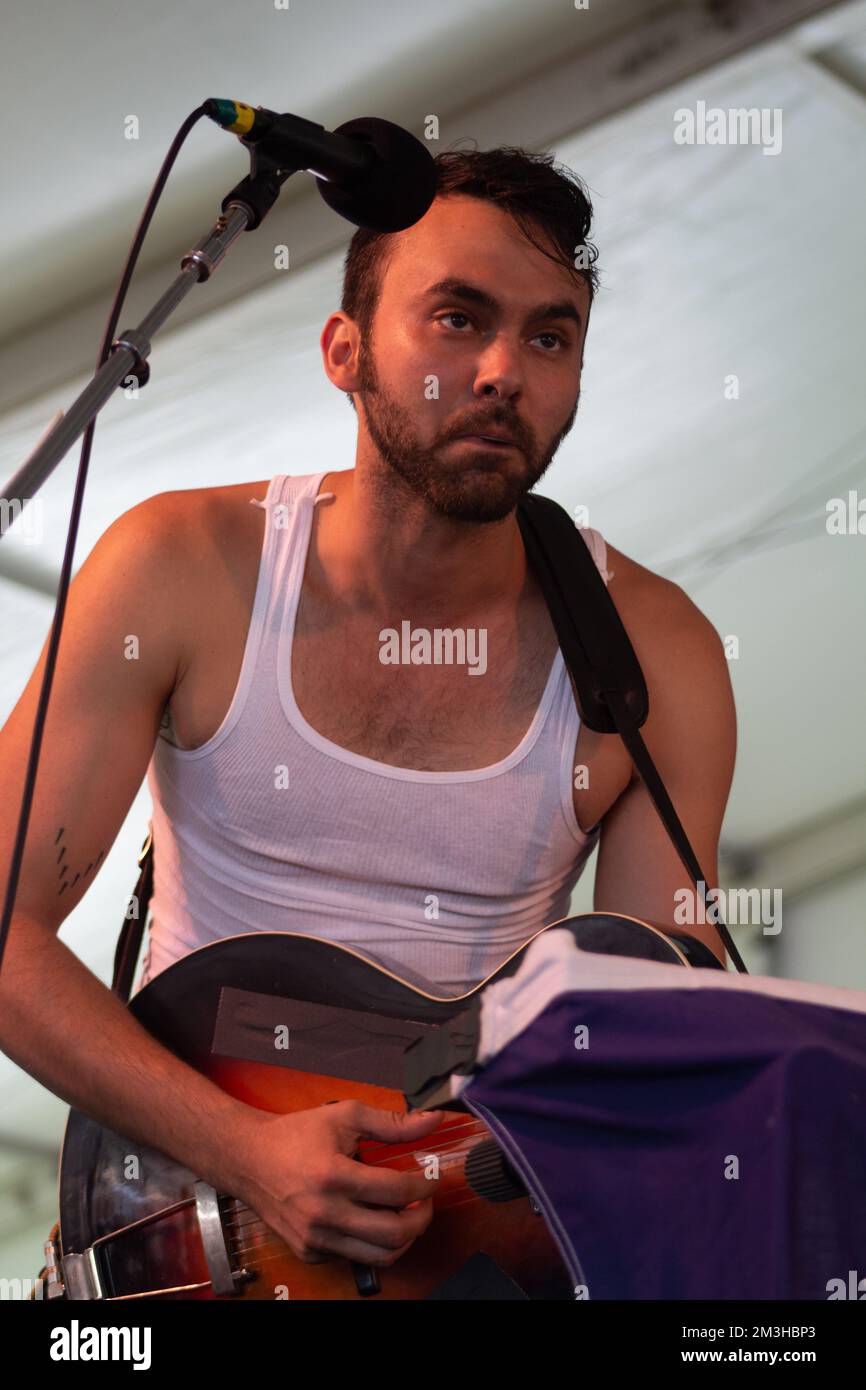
490 438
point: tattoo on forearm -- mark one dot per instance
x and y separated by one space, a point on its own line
64 869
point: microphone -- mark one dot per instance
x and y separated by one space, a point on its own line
370 171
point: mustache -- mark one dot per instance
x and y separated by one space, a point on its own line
491 425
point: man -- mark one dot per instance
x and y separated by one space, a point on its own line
429 817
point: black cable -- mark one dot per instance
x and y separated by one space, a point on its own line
77 500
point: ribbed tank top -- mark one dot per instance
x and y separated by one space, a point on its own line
438 876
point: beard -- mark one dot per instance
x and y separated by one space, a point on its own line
480 484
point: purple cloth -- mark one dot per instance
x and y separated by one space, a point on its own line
626 1143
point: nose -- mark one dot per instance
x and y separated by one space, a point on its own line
499 371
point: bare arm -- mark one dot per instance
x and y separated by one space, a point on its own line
118 661
691 735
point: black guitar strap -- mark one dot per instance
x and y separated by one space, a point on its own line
612 695
612 692
129 941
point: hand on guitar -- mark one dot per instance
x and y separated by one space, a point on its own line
301 1178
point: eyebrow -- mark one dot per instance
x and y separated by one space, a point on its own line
461 289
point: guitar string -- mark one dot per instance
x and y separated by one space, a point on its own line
241 1221
452 1200
270 1250
237 1221
243 1233
280 1250
456 1197
268 1240
470 1123
244 1219
379 1163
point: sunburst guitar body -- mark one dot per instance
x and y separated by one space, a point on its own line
136 1225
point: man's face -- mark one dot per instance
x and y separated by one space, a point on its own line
445 364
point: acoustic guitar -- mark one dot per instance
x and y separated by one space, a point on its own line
286 1022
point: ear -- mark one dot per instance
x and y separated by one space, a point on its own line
340 345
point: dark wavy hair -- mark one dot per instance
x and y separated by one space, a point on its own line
535 191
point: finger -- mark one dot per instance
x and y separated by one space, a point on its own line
391 1126
380 1229
383 1186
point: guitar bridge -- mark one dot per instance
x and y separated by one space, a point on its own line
224 1280
80 1276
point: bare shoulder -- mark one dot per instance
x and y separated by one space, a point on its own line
202 504
203 528
202 547
656 612
683 660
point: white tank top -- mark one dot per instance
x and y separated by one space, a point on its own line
269 826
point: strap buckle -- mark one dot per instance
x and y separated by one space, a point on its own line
143 852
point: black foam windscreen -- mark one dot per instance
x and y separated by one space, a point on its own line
397 189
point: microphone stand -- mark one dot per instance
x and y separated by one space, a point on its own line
243 209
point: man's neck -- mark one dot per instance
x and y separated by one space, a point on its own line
381 548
